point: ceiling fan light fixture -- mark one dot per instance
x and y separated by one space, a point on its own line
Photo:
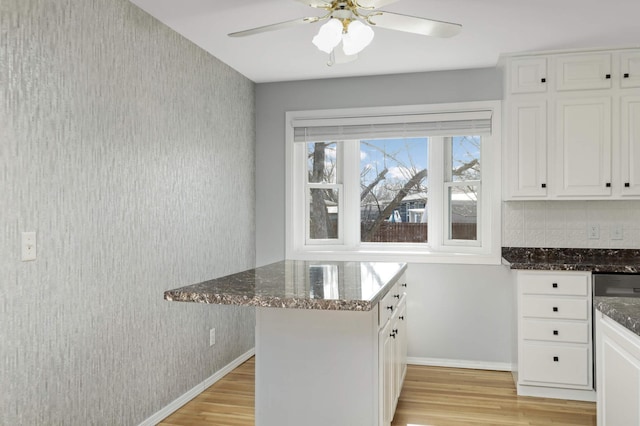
357 38
329 35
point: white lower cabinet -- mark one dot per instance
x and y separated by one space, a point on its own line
331 367
392 350
618 373
555 357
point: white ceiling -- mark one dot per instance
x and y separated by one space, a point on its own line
490 28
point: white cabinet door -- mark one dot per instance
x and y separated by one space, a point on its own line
630 69
630 145
528 75
583 71
527 149
618 369
386 339
401 347
583 138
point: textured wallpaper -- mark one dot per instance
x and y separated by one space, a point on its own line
131 152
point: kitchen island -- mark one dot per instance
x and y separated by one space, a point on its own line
329 338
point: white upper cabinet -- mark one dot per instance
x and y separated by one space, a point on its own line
583 72
572 126
630 69
583 141
527 158
529 75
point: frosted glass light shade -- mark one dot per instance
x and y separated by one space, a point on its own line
357 38
329 35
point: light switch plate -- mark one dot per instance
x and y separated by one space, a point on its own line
616 232
28 246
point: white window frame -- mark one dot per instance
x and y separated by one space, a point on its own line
487 249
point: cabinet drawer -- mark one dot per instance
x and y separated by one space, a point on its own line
554 308
556 331
560 365
389 304
565 285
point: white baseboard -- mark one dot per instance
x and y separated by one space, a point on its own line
196 390
460 363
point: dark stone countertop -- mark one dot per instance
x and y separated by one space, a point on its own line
558 259
623 310
297 284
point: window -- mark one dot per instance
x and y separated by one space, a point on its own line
415 183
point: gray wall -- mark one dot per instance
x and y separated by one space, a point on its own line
454 298
131 152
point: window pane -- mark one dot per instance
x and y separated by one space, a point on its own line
465 158
321 162
323 213
463 212
393 190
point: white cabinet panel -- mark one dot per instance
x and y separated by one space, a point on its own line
583 71
527 153
529 75
630 69
583 137
618 369
630 144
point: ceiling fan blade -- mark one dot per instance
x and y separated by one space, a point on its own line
319 4
274 27
374 4
414 24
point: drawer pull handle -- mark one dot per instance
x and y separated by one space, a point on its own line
555 309
390 308
626 75
608 76
401 318
543 80
555 332
403 285
556 359
555 285
392 335
397 296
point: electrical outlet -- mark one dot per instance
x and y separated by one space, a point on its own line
212 337
616 232
28 246
594 232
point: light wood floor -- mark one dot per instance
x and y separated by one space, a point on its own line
432 396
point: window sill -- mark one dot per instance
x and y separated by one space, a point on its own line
409 256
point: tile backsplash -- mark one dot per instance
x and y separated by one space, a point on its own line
570 223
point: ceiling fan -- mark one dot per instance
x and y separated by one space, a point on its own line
349 23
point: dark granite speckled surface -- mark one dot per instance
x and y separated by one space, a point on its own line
295 284
623 310
554 259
